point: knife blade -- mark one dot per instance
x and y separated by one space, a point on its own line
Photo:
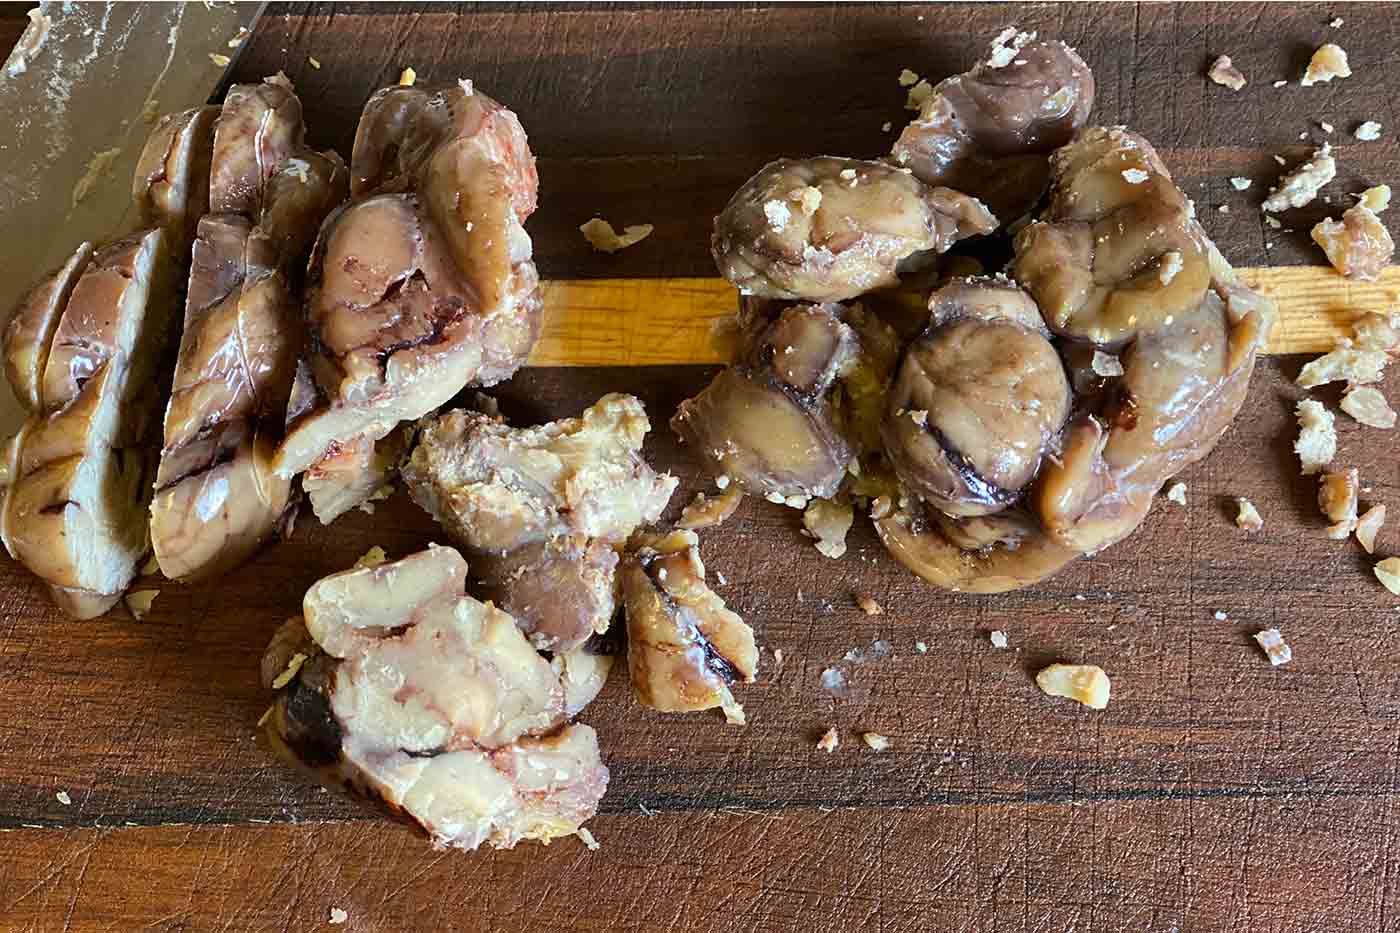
81 89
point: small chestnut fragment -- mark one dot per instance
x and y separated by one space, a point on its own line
685 648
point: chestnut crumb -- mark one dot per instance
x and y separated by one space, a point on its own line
1368 526
710 512
876 741
1248 517
1271 640
1083 683
1224 72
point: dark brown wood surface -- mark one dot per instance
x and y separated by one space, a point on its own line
1214 793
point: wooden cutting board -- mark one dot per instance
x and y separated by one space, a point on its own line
1214 793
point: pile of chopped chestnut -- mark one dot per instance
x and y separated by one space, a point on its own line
1031 415
300 325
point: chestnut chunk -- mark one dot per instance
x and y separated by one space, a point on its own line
399 689
828 229
979 399
685 648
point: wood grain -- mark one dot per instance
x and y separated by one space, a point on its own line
1215 792
656 113
662 322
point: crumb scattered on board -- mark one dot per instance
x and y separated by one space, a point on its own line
1358 246
290 671
337 916
869 606
1317 436
875 740
1368 131
371 558
709 512
828 521
998 639
833 681
1221 615
314 62
1368 406
1328 62
1083 683
1248 517
1368 526
829 741
1346 364
1375 198
1271 640
879 650
588 840
1240 184
1224 72
1177 493
63 798
908 78
1336 497
98 167
602 237
407 77
917 95
1300 186
1388 572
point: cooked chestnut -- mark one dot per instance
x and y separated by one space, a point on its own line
1117 252
988 554
685 648
979 399
988 132
400 689
1181 387
767 422
217 499
424 283
827 228
543 509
